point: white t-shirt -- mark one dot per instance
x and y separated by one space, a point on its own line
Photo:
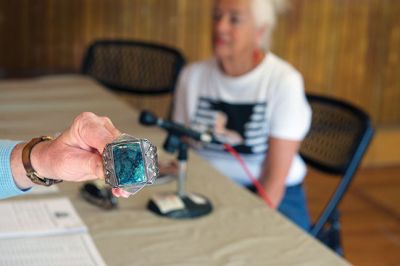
267 101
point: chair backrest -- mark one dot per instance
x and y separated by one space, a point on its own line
133 66
338 138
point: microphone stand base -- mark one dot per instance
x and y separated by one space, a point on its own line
175 206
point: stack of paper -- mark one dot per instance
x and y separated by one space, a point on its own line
44 232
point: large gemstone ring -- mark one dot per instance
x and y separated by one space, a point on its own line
130 163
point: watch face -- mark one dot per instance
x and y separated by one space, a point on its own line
130 163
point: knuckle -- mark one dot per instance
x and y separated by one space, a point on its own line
86 115
106 120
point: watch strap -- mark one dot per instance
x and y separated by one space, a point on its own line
26 161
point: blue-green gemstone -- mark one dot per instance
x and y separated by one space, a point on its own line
129 164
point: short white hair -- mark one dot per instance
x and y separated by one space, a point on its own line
265 13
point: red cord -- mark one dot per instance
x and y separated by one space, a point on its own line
260 189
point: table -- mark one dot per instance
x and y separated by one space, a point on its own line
240 231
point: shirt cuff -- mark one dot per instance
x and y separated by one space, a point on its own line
8 188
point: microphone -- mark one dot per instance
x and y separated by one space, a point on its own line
149 119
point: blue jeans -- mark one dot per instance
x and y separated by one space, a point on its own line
293 206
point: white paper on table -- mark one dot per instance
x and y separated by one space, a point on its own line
39 218
60 250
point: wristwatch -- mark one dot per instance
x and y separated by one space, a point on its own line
26 161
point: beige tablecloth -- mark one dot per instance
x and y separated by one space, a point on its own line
241 230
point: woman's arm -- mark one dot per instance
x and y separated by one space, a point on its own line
276 167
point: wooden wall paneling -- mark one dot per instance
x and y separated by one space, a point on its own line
36 39
92 16
35 50
62 30
182 24
50 16
95 21
27 44
79 42
376 56
205 32
172 28
12 50
157 17
369 90
307 40
124 15
146 17
305 36
110 17
167 26
190 33
313 38
63 34
390 71
2 34
87 22
349 80
9 54
344 48
198 30
17 17
137 19
163 17
195 27
328 44
283 39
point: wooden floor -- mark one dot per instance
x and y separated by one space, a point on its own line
370 214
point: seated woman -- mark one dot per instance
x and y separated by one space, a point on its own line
253 100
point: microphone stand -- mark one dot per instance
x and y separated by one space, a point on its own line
180 205
182 169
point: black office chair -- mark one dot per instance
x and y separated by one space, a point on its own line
133 66
339 136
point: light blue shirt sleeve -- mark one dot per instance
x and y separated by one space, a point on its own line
8 188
